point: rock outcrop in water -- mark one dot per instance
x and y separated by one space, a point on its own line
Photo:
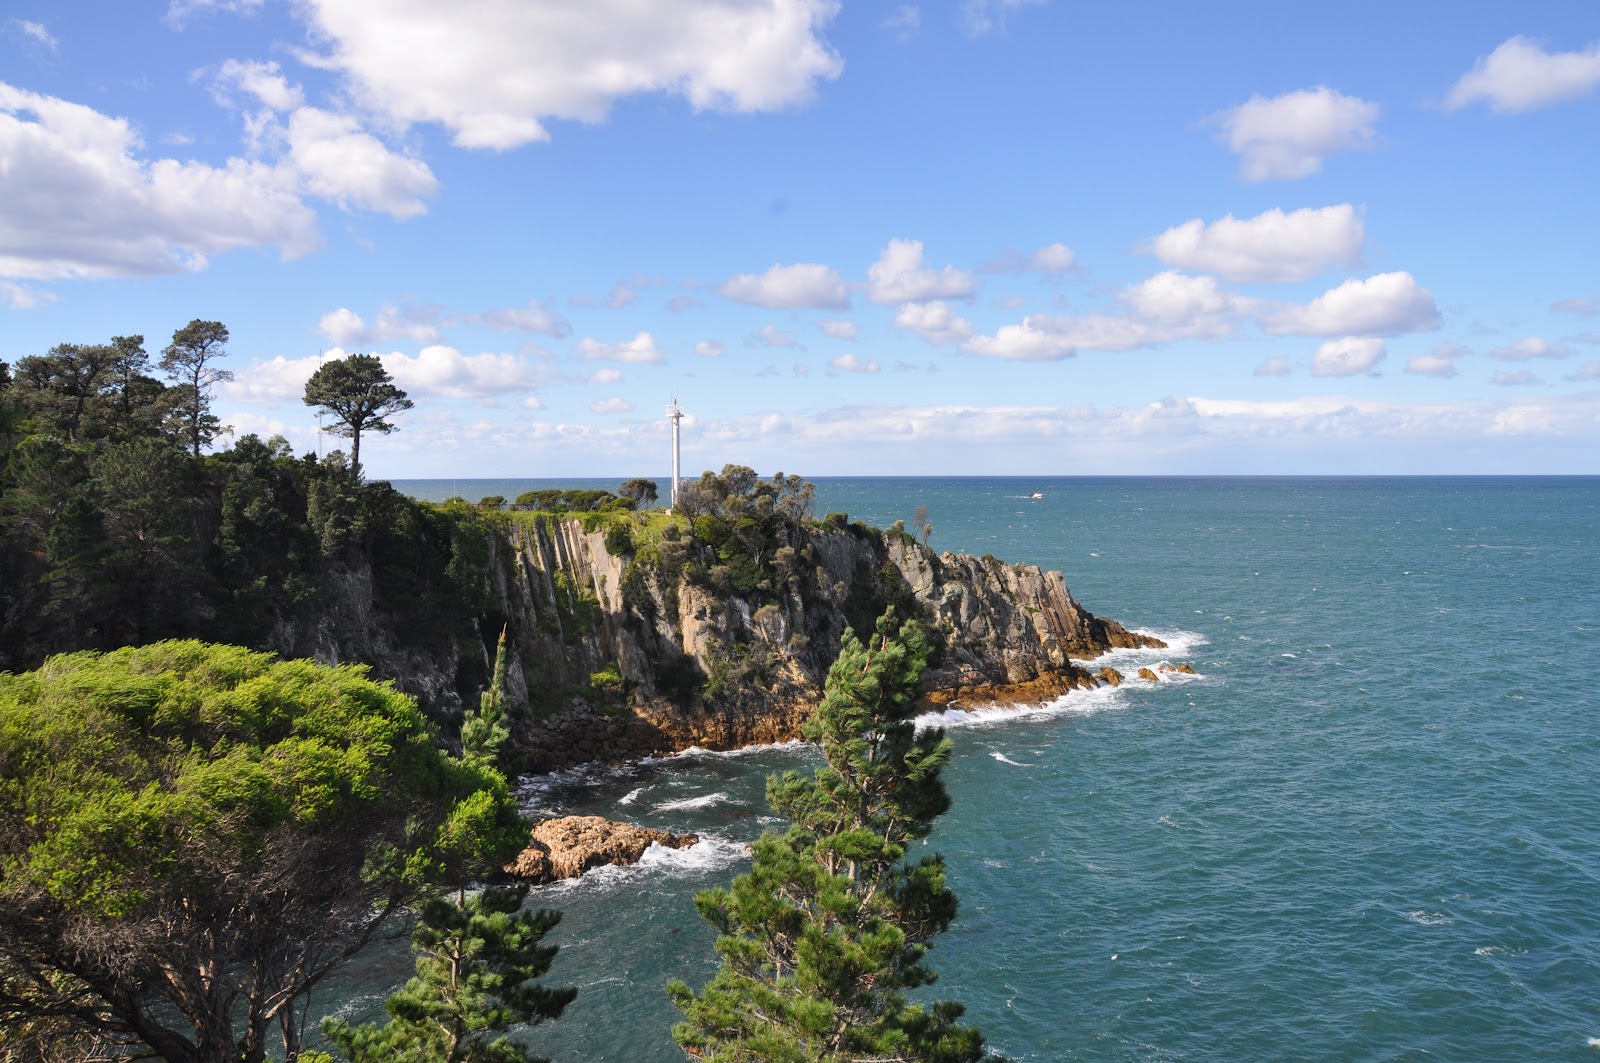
567 846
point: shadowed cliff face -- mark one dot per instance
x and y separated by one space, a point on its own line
697 664
635 636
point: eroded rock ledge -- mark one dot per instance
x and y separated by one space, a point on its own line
567 846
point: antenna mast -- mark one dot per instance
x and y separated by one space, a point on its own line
674 414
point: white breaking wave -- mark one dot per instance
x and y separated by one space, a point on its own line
742 751
1073 703
1179 644
630 797
1002 758
688 803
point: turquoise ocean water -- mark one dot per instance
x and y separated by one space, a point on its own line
1369 830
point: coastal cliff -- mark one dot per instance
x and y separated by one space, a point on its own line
633 634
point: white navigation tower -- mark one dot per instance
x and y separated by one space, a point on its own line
674 414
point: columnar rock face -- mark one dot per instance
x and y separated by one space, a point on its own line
699 666
625 645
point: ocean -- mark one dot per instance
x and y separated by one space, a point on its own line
1367 829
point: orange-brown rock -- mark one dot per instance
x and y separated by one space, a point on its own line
1145 673
567 846
1111 675
1184 668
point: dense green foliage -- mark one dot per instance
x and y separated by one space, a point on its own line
112 532
477 961
478 955
824 936
571 500
193 836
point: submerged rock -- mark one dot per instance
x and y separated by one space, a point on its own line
567 846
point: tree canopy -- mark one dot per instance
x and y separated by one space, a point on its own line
188 360
360 394
479 955
193 836
824 936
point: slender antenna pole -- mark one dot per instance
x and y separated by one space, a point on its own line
675 414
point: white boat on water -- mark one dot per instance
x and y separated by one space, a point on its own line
1037 494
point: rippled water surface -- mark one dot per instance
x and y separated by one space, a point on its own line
1369 830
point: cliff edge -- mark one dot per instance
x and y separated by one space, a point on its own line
637 633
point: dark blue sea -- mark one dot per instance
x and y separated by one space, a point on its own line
1368 830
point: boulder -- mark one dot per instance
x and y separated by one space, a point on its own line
1145 673
567 846
1111 675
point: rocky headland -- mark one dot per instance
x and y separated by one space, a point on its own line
632 634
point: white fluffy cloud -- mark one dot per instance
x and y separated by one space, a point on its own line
900 277
1186 306
641 350
709 348
279 379
804 285
1053 259
836 329
1588 371
330 153
1166 307
435 371
849 363
1439 362
264 81
934 322
339 162
447 373
1521 76
1350 356
613 405
1272 246
77 200
496 75
1527 349
606 376
1287 137
1385 304
345 327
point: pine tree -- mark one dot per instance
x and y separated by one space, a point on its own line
483 732
478 955
477 958
824 936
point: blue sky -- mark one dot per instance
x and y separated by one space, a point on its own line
984 237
